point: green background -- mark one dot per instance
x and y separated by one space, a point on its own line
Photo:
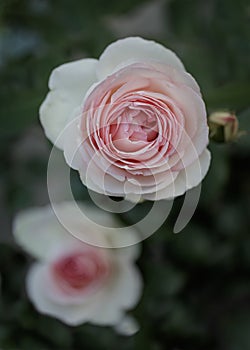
197 283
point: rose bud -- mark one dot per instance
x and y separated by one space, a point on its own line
223 126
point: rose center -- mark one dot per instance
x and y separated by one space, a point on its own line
80 270
135 124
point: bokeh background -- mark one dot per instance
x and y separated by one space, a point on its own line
197 283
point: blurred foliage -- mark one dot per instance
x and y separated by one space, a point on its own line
197 283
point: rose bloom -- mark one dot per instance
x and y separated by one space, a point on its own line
72 280
132 123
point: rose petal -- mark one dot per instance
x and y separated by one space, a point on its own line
40 233
71 314
134 49
69 84
123 292
128 326
188 178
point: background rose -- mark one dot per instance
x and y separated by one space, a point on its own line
133 122
74 281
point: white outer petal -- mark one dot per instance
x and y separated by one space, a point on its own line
128 326
54 112
74 78
41 233
121 294
134 49
45 234
38 231
73 141
68 84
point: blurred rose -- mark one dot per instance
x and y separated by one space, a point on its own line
72 280
132 122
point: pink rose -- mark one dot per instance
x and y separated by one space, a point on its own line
72 280
132 123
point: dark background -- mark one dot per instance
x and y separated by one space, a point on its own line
197 283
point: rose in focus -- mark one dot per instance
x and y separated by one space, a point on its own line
133 123
72 280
